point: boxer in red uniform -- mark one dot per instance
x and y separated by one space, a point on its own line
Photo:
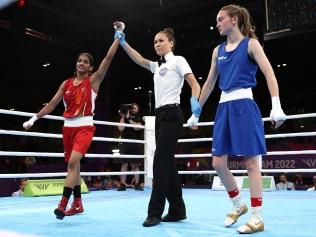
78 94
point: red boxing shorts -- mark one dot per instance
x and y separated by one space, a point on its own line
77 139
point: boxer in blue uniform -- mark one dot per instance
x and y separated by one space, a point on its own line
238 128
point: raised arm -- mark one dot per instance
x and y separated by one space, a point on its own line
136 57
97 76
47 108
132 53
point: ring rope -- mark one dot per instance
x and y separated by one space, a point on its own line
19 113
270 153
108 139
64 174
195 140
297 134
245 171
52 135
50 154
280 135
53 117
297 116
5 153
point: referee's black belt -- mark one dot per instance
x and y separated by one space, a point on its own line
167 106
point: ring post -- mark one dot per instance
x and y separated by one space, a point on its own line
150 147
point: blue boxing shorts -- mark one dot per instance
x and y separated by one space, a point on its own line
238 129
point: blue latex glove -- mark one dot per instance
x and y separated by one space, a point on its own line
195 106
120 35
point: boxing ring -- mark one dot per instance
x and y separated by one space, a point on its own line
112 213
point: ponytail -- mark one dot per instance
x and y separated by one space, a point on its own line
244 20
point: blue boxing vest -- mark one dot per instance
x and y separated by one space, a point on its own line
236 68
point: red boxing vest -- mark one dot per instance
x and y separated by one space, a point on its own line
79 100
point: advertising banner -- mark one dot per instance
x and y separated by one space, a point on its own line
46 187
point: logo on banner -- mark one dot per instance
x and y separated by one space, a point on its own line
310 163
41 186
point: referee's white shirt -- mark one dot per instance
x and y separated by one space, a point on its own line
168 79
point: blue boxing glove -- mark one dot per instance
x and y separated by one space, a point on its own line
120 35
195 106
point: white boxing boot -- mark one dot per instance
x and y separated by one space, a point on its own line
238 210
255 223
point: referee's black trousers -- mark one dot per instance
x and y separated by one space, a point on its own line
166 182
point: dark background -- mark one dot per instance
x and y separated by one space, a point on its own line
57 31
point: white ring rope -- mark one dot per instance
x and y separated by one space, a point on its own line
64 174
281 135
298 134
47 154
26 114
50 154
288 117
201 124
245 171
108 139
195 140
295 116
53 117
19 113
271 153
52 135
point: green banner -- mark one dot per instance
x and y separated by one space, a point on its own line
46 187
267 183
243 182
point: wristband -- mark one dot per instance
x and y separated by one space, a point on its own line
276 104
33 119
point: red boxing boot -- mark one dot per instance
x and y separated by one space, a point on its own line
76 207
60 210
